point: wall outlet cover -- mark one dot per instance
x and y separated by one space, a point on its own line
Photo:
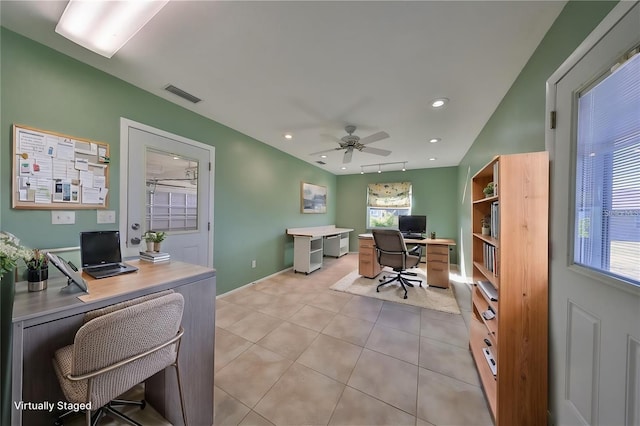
106 216
61 217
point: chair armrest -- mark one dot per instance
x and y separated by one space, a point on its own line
415 251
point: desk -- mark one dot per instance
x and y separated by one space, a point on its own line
437 267
311 244
46 321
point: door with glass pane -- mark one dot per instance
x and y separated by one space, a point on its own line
595 228
169 190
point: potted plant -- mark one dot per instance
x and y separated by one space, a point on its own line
488 190
153 239
37 269
486 225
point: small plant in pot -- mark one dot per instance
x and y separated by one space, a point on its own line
489 190
37 269
153 239
486 225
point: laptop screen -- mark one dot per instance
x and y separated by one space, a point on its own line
99 248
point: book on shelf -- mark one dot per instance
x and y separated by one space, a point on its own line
495 178
488 289
495 220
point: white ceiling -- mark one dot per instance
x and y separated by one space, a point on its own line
266 68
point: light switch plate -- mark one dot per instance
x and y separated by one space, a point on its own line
61 217
106 216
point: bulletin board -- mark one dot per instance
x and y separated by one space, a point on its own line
53 171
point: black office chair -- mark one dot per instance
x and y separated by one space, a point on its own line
392 252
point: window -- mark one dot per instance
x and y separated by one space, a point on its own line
387 201
172 192
607 199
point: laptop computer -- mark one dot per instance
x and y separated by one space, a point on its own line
100 254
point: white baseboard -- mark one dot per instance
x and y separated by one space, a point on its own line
252 283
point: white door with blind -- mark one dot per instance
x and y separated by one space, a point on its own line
595 227
166 186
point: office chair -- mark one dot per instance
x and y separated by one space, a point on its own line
393 252
117 348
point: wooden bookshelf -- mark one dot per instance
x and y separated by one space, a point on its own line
514 259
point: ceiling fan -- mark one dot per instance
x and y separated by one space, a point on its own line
351 142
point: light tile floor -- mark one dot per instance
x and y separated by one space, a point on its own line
290 351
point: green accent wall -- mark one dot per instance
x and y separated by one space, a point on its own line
257 187
518 124
434 195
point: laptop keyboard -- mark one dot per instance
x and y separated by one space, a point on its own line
104 268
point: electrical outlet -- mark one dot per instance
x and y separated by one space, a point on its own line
106 216
59 217
253 263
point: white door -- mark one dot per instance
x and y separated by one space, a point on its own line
166 185
594 319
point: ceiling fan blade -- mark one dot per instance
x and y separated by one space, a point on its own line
326 150
347 156
376 151
374 137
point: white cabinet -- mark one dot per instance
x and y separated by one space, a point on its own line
336 245
311 244
307 253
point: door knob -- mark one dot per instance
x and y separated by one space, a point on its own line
135 241
135 226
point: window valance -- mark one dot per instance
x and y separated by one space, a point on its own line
396 194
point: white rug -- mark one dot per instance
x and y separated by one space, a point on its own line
439 299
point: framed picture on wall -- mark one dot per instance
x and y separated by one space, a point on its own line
313 198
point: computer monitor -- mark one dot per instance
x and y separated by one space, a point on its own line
412 224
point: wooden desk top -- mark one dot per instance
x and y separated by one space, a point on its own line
55 301
148 275
317 231
423 241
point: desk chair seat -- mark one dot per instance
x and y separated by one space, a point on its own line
392 251
116 349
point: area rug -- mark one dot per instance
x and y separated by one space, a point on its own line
439 299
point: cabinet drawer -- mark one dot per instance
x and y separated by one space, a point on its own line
439 258
366 244
437 249
369 256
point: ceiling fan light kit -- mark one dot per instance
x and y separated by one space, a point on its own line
352 142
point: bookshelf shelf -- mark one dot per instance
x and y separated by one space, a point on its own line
514 260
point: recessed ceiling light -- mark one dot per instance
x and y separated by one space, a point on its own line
343 168
105 26
288 136
176 158
439 103
434 140
323 156
432 159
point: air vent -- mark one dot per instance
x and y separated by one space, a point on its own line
184 95
321 162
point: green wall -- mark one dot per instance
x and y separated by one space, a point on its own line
518 124
257 187
434 194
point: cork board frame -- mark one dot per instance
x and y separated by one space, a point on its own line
54 171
